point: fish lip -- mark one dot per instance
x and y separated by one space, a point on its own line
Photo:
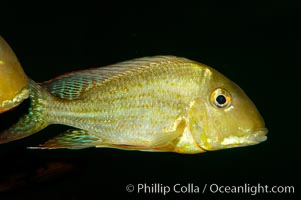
258 134
249 137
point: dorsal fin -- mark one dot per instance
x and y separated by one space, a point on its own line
70 86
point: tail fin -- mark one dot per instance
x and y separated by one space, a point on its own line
31 122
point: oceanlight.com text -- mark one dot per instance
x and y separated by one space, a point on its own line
213 188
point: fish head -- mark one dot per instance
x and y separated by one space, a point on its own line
226 117
13 80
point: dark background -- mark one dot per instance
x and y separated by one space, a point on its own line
254 44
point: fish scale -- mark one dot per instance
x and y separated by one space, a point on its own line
129 105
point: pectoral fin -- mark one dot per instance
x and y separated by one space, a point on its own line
71 139
165 142
169 137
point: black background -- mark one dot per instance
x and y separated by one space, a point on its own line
254 44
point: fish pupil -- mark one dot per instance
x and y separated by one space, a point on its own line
221 99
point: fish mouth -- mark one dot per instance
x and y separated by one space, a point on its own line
257 135
15 101
250 137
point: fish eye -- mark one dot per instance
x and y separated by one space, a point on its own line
220 98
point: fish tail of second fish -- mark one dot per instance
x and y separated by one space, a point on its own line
32 121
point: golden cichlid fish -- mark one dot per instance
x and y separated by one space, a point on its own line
13 81
160 103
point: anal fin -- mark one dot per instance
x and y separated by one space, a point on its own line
71 139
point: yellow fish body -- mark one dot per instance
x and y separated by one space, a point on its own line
161 103
13 81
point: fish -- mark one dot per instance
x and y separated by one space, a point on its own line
157 103
14 84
